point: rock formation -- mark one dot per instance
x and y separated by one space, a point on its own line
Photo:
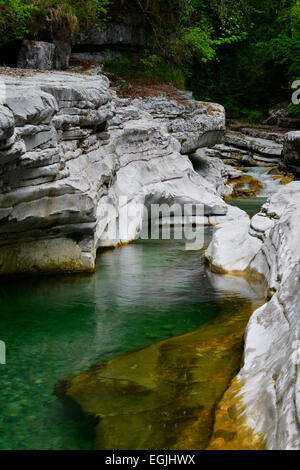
291 151
249 150
40 55
261 408
69 147
36 55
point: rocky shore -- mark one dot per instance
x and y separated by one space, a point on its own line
261 408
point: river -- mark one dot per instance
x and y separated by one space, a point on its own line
55 327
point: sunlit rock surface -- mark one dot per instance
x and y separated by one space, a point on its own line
262 408
243 248
70 148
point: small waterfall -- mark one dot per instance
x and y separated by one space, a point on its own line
262 174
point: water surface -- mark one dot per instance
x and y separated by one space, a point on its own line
58 326
55 327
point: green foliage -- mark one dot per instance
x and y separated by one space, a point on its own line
253 116
294 110
242 53
194 43
250 72
21 19
286 46
14 17
184 30
146 66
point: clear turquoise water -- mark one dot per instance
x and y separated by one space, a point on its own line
249 205
55 327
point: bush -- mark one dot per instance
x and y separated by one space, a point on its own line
14 18
146 66
294 110
20 19
253 116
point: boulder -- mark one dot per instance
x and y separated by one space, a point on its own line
36 55
278 112
7 124
232 248
291 151
62 54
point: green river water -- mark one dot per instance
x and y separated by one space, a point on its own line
55 327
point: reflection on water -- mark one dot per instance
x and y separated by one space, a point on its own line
163 396
58 326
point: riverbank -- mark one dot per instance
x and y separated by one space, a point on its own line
265 393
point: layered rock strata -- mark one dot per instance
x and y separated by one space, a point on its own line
70 148
249 150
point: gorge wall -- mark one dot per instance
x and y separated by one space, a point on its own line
69 146
262 408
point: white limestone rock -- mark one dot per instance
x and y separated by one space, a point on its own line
214 170
193 123
232 248
246 147
264 147
70 147
268 384
7 125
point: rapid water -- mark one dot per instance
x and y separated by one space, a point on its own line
252 205
262 174
55 327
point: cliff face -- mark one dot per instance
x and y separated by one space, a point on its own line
291 151
69 145
262 407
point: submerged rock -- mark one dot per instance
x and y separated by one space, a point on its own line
162 396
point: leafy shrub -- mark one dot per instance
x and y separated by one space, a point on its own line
14 18
294 110
253 116
146 66
21 19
